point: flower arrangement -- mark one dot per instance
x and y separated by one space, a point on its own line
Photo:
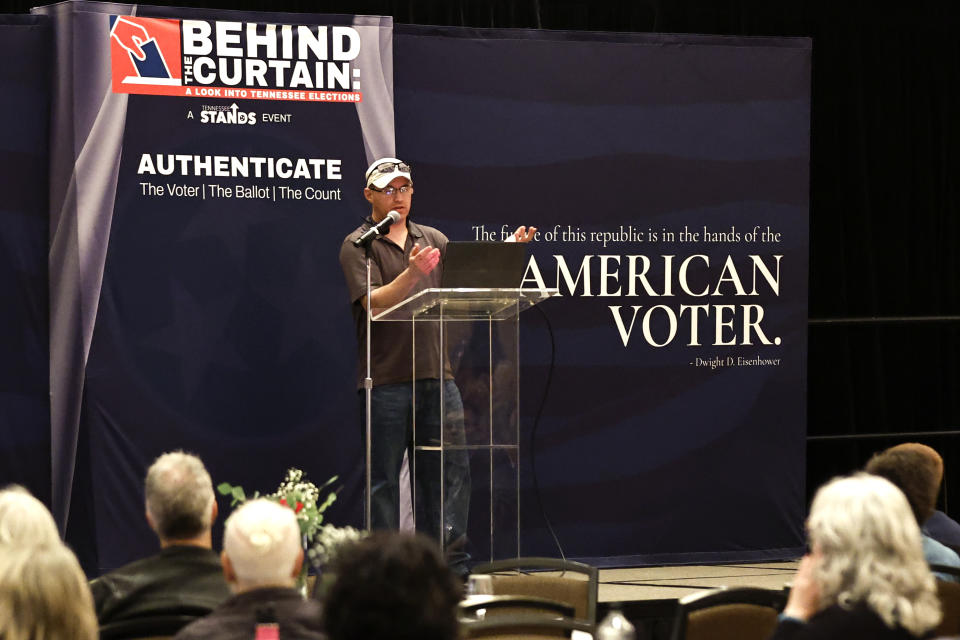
320 541
328 541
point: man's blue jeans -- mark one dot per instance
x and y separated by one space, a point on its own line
392 429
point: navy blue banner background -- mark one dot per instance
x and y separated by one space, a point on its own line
218 322
222 326
642 456
25 56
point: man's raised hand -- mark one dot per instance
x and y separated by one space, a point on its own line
424 260
522 234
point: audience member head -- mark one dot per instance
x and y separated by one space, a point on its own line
392 586
44 595
868 550
915 469
261 546
24 519
179 496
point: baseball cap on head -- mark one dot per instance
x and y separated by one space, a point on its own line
384 170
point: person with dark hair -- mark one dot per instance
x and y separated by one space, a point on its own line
392 586
917 470
185 578
938 525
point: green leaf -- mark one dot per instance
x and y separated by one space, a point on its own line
328 482
238 496
331 498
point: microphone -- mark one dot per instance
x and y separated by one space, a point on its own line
378 229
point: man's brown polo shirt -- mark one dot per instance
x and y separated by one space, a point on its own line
392 342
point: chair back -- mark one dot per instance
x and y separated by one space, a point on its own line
484 606
949 594
146 627
521 626
746 613
948 591
576 585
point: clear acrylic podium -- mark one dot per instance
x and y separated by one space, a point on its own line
469 436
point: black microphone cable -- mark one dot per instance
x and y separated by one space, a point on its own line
533 432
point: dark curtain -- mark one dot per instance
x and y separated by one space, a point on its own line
25 43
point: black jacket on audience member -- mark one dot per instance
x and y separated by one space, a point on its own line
236 619
184 580
858 623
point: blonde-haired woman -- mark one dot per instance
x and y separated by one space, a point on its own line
44 595
866 576
24 519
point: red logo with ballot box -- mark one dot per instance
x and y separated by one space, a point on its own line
145 55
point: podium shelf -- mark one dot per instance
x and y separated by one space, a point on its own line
464 304
465 447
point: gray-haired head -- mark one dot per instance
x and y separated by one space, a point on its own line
179 496
24 519
261 540
868 550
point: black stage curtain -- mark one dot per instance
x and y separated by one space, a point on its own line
884 355
25 44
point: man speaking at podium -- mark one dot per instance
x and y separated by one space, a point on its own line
406 258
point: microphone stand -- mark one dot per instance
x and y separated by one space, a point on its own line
368 393
393 216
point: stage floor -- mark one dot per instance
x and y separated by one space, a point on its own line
672 583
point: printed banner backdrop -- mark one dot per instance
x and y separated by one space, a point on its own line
25 43
209 164
220 326
668 176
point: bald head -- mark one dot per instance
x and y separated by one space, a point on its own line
261 546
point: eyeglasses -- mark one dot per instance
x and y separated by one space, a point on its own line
390 191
